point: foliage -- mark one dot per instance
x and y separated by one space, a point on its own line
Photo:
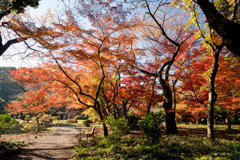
6 123
236 151
71 121
80 117
27 118
152 126
28 126
17 6
87 122
119 126
91 114
132 121
46 119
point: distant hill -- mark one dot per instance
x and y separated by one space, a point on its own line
8 89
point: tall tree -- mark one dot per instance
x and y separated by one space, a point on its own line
167 45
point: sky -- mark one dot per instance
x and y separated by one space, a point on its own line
14 55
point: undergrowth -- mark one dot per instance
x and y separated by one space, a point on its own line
9 147
132 147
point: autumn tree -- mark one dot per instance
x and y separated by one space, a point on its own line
196 81
83 56
40 93
167 43
194 85
130 91
228 88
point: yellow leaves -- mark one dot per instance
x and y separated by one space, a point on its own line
187 3
207 73
175 3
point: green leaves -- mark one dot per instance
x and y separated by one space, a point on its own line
119 125
151 126
6 122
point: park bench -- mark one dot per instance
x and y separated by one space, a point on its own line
91 133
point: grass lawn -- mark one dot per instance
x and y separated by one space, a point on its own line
190 143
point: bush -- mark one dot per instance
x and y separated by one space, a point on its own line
152 126
71 121
132 121
6 123
80 117
87 122
119 125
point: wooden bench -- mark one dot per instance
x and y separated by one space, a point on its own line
91 133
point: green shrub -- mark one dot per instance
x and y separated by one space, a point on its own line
151 125
80 117
87 122
119 125
132 121
6 123
71 121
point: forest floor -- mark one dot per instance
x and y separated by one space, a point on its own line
58 143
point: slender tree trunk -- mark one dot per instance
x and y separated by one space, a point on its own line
197 120
212 96
38 124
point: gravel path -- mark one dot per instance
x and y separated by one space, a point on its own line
58 146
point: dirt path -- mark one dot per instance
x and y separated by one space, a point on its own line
58 146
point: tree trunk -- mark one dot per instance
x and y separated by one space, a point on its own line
105 130
226 28
212 96
98 109
197 120
171 127
38 124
